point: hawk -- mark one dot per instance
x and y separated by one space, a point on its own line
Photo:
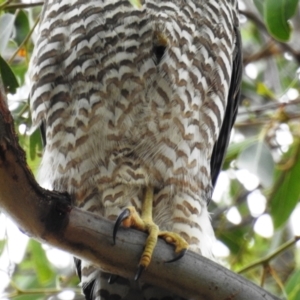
136 105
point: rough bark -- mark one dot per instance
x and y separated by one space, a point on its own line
48 216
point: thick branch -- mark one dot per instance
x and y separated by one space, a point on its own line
48 217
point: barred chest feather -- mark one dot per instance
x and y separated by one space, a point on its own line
134 97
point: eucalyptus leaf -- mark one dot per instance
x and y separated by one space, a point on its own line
277 14
6 30
259 5
234 149
264 91
8 77
292 287
257 159
286 193
233 239
22 26
35 144
136 3
40 261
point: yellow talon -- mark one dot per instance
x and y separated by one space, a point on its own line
130 218
174 239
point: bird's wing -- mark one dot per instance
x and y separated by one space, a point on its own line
230 113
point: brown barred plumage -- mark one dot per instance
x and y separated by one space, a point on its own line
131 98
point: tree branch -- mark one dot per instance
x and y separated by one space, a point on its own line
48 216
7 5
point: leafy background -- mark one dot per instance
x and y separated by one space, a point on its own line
255 207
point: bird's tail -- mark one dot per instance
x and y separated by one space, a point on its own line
98 285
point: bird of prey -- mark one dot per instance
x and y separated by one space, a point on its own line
136 104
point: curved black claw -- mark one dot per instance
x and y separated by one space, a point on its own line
112 278
139 272
123 215
179 256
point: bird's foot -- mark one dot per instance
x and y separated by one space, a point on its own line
130 218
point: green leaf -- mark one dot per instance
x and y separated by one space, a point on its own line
8 77
2 244
233 239
35 144
277 14
34 150
20 69
136 3
40 262
292 286
257 159
260 6
285 195
235 149
22 27
236 188
264 91
6 29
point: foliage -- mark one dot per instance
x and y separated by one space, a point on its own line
266 143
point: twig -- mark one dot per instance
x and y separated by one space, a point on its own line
264 261
3 5
43 291
269 106
6 5
25 40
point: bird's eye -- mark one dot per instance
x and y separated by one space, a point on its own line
158 51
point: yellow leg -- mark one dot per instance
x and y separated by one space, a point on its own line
130 218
